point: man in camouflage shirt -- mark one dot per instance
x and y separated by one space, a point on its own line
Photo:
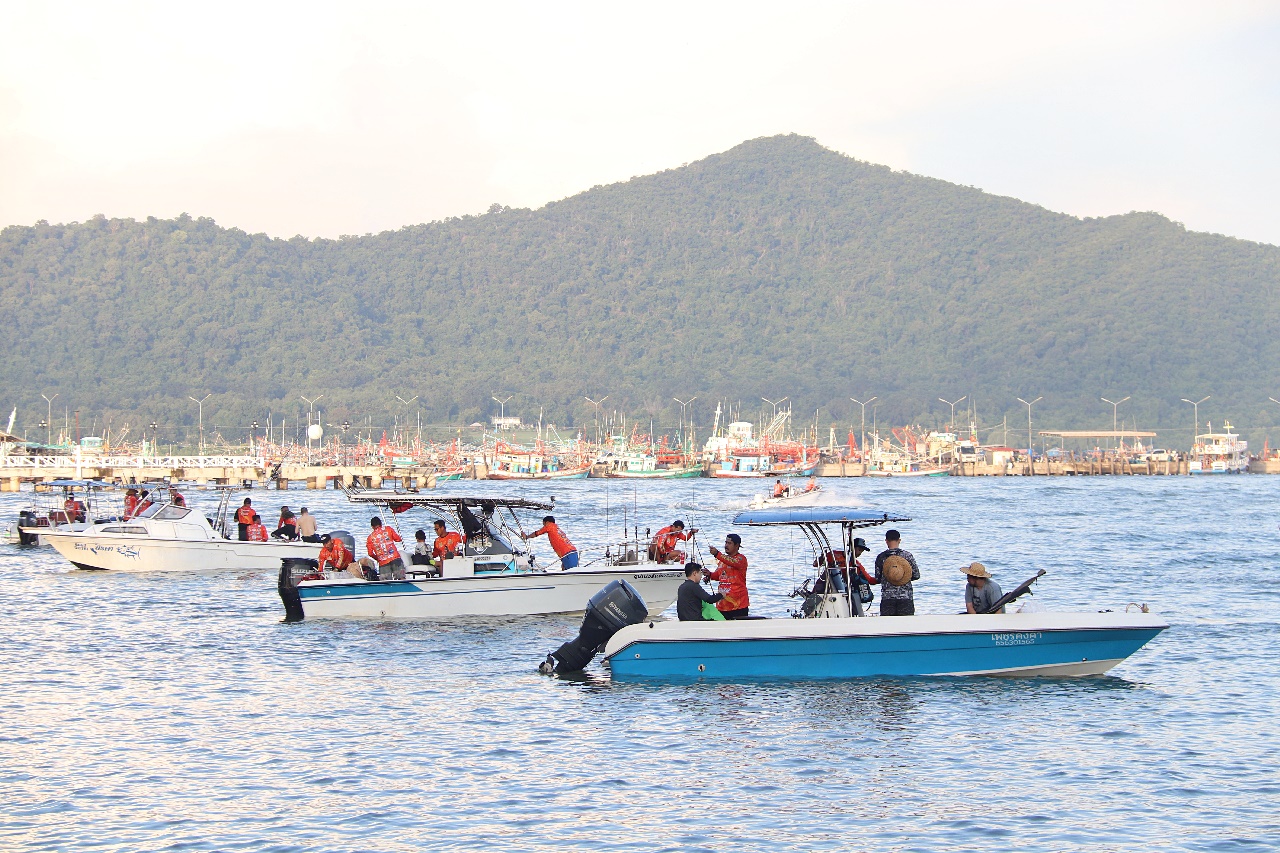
896 599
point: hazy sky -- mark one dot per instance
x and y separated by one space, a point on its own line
327 119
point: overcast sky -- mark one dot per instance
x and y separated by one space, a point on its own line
325 119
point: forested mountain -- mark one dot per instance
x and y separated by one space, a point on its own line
778 268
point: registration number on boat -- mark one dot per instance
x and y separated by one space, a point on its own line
1016 638
646 576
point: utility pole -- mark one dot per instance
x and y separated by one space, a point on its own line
200 403
1030 445
863 449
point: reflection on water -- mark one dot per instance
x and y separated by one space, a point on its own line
166 713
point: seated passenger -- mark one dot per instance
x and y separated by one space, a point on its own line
448 544
421 555
257 532
662 549
778 489
288 529
981 591
691 595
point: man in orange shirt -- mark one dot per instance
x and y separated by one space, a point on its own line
335 553
778 489
447 545
256 531
130 503
731 572
565 550
244 517
663 547
381 546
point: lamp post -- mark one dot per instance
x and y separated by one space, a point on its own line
953 409
200 403
406 405
775 405
863 448
1196 405
154 441
48 422
253 429
597 403
1030 443
310 414
1115 405
682 403
502 409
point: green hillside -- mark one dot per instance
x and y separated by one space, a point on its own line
778 268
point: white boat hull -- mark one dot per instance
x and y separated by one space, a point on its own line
120 552
527 594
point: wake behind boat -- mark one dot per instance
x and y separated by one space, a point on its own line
830 635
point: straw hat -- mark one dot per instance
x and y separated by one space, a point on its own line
896 570
976 570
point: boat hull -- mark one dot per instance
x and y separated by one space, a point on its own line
1020 644
126 553
668 474
569 474
931 472
529 594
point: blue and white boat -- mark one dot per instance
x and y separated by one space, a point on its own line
830 636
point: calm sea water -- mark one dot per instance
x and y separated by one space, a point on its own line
151 712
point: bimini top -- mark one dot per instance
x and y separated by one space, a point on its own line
851 516
380 496
78 484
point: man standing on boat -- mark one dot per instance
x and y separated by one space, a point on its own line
895 570
731 572
565 550
381 546
244 517
663 547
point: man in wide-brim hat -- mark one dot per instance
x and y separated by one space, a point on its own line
895 570
981 592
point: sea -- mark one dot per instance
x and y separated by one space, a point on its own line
178 712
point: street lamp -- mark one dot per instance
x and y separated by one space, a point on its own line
953 409
863 448
775 405
200 403
683 403
310 414
1030 442
253 429
597 403
1196 404
48 423
502 409
406 405
1115 405
154 448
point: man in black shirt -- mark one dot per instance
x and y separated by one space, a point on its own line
691 594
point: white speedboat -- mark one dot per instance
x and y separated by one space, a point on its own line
831 636
61 505
494 574
792 497
170 538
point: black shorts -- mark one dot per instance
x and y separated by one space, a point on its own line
742 613
897 607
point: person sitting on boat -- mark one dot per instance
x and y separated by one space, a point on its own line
421 555
307 526
895 570
691 595
334 553
73 508
836 559
176 498
731 573
812 485
381 546
288 529
565 550
663 547
447 545
779 490
130 504
244 518
981 591
144 503
257 530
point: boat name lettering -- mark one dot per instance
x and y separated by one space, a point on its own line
1016 638
651 575
122 550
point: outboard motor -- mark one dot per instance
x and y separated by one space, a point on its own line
346 538
27 518
292 568
608 612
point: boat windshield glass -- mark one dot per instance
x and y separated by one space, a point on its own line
150 511
171 513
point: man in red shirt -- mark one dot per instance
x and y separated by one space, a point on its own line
663 547
130 503
335 553
381 546
447 545
565 550
731 572
244 517
256 531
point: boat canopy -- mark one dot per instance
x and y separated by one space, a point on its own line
77 484
848 516
450 502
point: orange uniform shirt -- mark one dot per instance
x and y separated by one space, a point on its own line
257 533
335 553
732 576
666 539
381 545
559 542
450 543
244 515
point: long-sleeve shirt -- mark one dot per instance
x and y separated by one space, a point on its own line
689 598
559 542
335 553
381 545
732 575
888 590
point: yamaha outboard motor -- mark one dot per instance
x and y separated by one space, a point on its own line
608 612
292 568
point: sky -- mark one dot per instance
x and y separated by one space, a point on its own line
325 119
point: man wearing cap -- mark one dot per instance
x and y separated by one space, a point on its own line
731 574
981 591
663 547
895 570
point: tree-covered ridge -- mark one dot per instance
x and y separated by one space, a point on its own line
776 268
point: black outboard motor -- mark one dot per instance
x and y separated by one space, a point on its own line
346 539
608 612
27 518
292 568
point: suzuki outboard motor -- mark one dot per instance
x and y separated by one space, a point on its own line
292 568
608 612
